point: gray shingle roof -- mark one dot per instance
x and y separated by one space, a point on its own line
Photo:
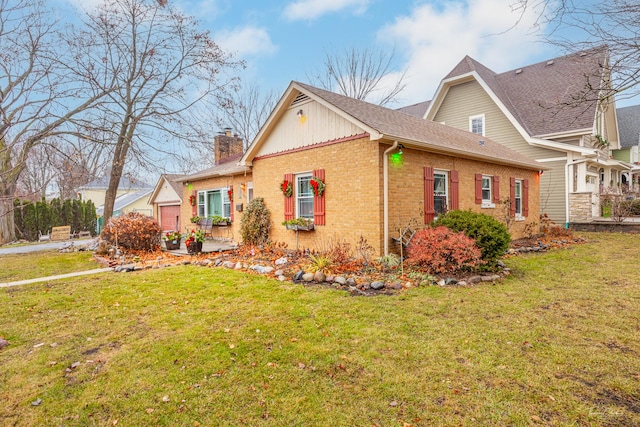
417 110
629 125
231 168
126 183
425 133
547 97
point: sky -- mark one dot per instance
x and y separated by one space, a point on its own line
285 40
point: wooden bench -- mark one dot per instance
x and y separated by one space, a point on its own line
61 233
82 234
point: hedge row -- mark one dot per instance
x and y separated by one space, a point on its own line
31 218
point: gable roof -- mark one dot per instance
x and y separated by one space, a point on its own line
171 179
390 125
629 125
544 98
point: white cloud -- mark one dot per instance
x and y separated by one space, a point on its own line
434 40
312 9
246 41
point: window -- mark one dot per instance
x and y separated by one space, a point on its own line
486 190
249 192
476 124
440 192
304 196
518 198
214 202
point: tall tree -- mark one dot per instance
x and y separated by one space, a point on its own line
579 25
38 98
365 74
164 67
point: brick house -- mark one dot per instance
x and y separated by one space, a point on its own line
220 190
383 169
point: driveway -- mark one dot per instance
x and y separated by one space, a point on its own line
36 247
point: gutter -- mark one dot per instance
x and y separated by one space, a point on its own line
385 195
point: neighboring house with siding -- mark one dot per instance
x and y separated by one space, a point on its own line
537 111
166 199
629 129
383 169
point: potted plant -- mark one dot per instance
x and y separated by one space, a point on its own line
194 241
172 240
195 219
299 224
219 220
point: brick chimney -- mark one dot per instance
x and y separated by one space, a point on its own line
227 147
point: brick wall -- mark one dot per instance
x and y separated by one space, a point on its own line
406 195
353 205
187 211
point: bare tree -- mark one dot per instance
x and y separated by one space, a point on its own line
366 75
578 25
163 67
39 172
246 111
37 98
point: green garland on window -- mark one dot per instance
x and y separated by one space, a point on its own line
318 186
287 188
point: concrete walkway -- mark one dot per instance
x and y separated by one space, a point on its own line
59 276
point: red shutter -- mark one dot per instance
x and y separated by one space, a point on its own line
194 208
454 202
289 201
230 202
496 189
512 196
525 197
478 188
429 209
318 201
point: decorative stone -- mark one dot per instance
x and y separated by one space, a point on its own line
450 281
462 283
329 278
281 278
474 279
307 277
238 266
3 343
377 285
262 269
441 282
298 275
351 281
319 277
278 273
282 261
229 264
340 280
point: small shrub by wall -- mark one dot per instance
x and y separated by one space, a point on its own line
490 235
441 250
255 223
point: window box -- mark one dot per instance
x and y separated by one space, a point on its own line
296 227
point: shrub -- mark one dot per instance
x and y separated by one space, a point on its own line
255 223
634 207
490 235
133 231
441 250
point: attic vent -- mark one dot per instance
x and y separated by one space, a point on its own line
519 70
299 99
550 62
481 143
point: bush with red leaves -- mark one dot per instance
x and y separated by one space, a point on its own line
133 231
441 250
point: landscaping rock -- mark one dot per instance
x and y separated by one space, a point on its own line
278 273
351 281
282 261
262 269
319 277
298 275
307 277
229 264
376 286
3 343
450 281
238 265
281 278
340 280
329 278
462 283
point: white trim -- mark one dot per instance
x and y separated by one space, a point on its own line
552 159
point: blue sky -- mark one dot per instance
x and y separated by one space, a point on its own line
286 40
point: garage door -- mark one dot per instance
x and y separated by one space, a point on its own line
170 217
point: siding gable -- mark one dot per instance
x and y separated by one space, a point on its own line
318 124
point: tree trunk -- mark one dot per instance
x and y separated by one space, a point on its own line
7 225
119 158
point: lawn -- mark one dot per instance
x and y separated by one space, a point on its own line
43 264
557 343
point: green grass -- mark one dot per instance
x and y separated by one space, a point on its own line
557 343
43 264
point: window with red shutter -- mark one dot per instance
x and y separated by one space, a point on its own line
318 201
454 203
429 210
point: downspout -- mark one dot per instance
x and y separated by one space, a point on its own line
385 195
